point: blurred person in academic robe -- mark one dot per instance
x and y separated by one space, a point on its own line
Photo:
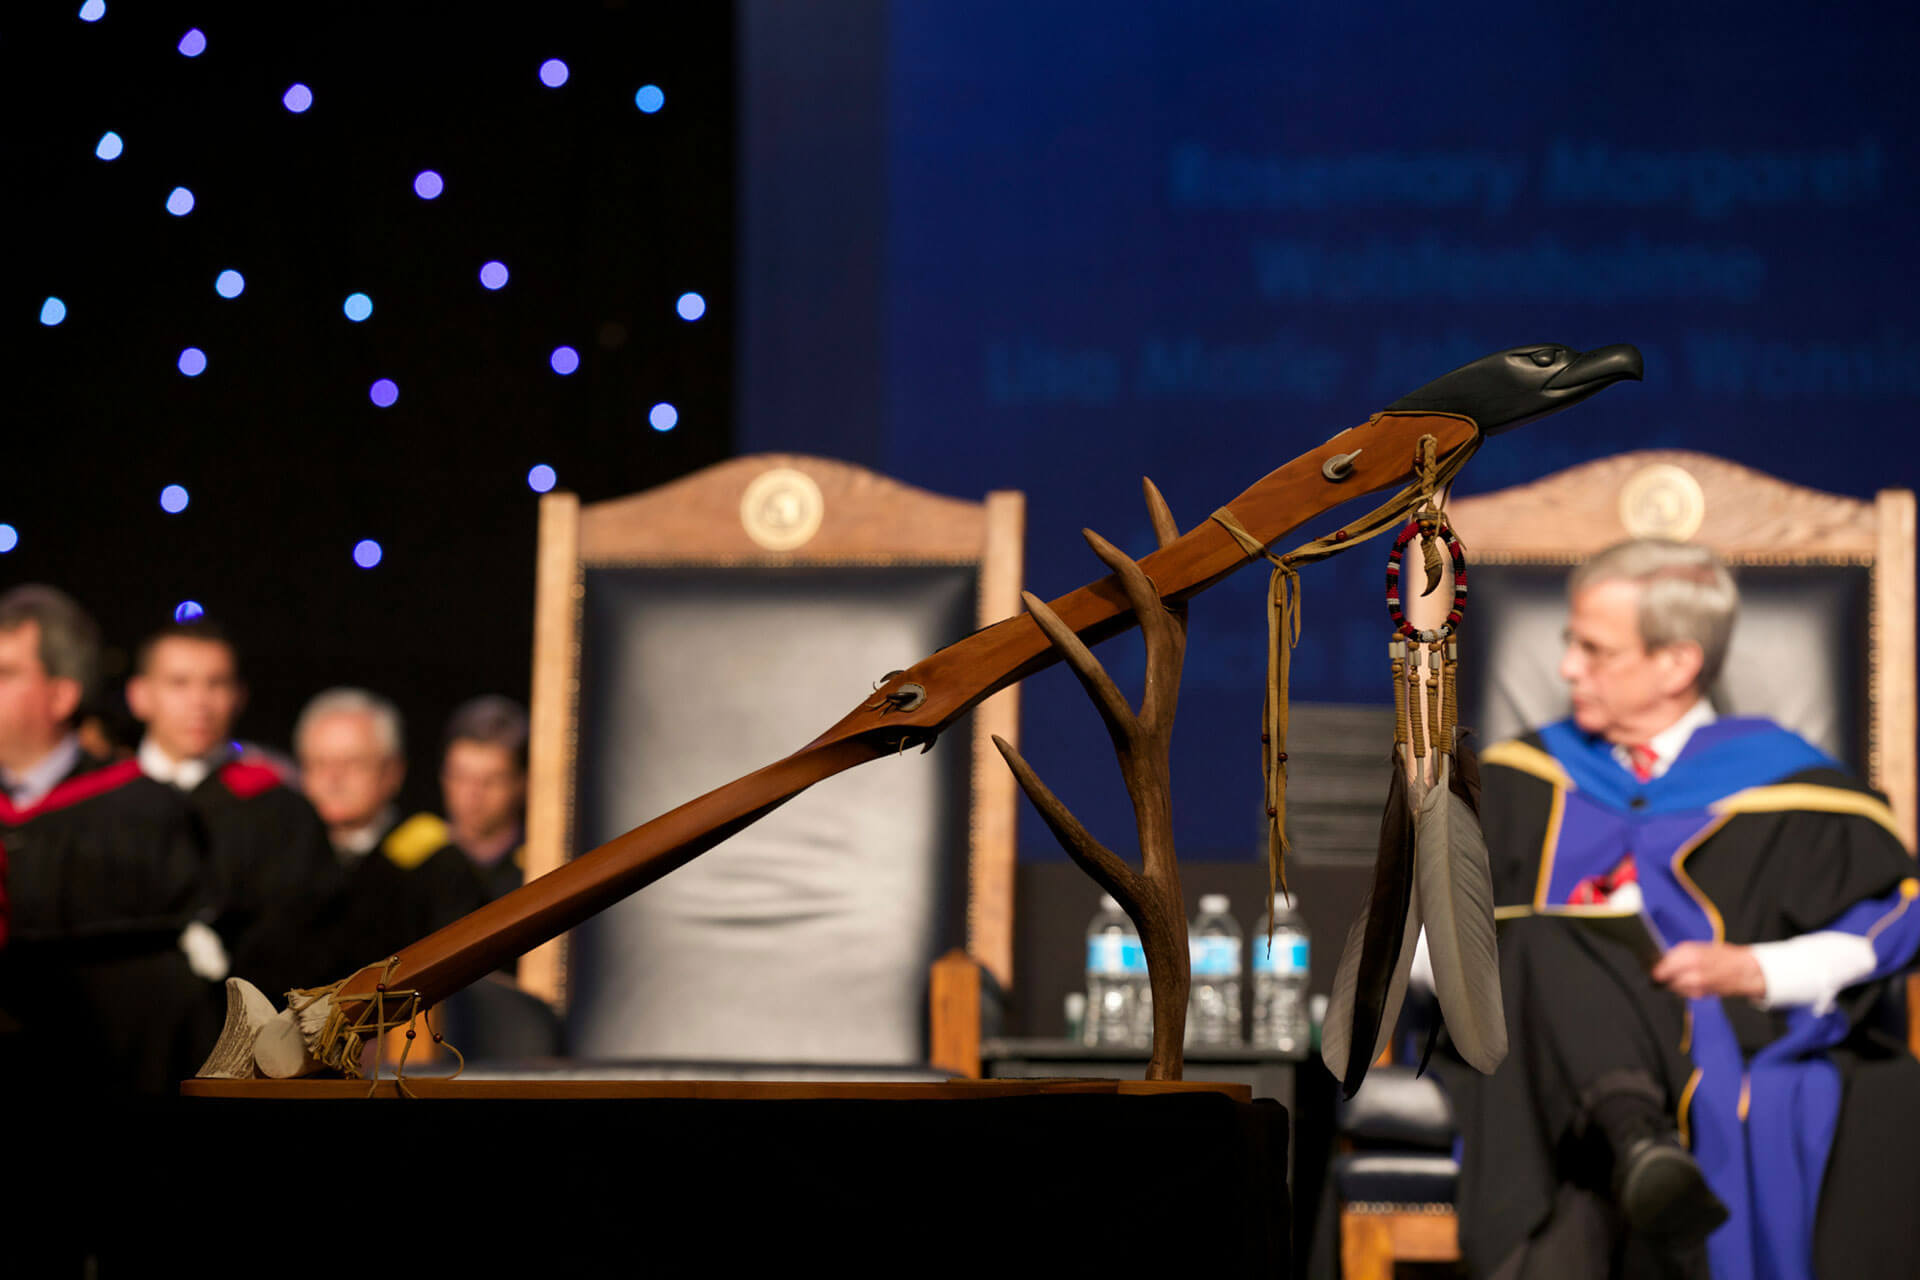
1735 1108
271 870
107 972
402 880
483 783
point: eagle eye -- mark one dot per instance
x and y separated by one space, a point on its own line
1546 356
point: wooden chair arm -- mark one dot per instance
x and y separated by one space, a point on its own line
953 997
1913 1014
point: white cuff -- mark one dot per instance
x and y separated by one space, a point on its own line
1812 969
206 955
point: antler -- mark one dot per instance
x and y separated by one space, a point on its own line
1150 896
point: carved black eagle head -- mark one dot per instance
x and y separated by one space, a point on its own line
1520 384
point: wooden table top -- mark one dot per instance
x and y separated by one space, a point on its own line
736 1090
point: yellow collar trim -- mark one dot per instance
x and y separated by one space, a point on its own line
1527 758
1787 796
415 840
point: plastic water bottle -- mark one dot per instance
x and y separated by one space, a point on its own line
1281 1015
1213 999
1116 975
1142 981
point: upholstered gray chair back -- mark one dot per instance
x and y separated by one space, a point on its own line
691 634
807 937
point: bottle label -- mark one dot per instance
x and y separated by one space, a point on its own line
1215 957
1115 956
1285 956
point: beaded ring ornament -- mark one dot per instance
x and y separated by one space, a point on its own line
1427 526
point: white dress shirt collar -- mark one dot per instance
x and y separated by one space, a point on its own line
184 774
1672 740
30 786
359 842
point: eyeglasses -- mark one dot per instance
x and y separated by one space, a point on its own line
341 764
1601 656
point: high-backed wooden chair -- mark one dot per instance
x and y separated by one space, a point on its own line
1825 644
696 631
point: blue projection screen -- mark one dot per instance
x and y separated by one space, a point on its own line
1056 247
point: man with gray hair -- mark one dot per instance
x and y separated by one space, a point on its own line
1676 1116
402 880
353 762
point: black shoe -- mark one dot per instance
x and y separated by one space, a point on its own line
1665 1196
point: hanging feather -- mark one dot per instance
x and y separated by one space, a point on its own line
1466 772
1371 980
1456 900
1464 782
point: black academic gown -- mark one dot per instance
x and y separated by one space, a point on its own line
1752 836
275 876
505 874
96 996
393 895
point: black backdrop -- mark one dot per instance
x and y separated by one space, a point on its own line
603 214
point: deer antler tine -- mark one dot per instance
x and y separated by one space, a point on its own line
1164 632
1167 531
1142 595
1106 695
1159 512
1098 861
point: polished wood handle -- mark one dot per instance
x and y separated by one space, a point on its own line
949 683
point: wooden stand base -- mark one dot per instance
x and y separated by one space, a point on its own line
686 1090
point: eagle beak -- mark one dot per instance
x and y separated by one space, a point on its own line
1598 368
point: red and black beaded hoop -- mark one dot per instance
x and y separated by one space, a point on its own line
1395 609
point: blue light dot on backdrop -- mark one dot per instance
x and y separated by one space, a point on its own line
358 307
564 360
194 43
553 73
297 98
188 610
109 147
180 202
173 499
427 185
193 362
9 538
663 416
230 283
493 275
366 553
93 10
52 312
541 478
650 99
384 392
691 306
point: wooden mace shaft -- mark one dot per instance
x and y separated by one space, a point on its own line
954 679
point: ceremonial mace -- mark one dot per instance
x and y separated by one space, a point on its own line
328 1027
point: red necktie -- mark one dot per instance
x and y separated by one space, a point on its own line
1642 757
1595 890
